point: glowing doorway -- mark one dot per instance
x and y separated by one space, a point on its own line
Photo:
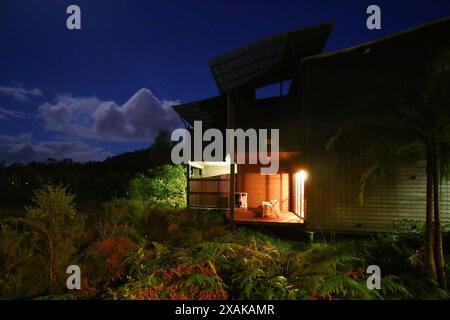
299 193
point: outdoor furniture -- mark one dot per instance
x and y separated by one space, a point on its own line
240 200
270 208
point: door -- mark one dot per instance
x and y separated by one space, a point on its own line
298 194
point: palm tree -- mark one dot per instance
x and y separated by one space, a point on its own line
414 127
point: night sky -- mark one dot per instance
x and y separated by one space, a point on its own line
107 88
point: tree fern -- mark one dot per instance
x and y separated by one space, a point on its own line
246 280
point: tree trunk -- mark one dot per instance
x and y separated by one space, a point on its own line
438 249
429 232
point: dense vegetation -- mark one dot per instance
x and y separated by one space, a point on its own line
92 182
124 222
133 250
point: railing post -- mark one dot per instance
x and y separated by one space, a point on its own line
230 125
188 187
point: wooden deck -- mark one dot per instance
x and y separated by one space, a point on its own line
249 216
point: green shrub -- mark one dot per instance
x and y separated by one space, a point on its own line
54 215
22 266
164 187
120 217
54 205
49 234
183 227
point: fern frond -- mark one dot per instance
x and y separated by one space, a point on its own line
341 286
392 286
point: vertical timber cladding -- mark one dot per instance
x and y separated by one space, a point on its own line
263 187
396 200
209 185
210 192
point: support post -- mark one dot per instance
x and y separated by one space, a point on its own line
188 189
309 238
230 125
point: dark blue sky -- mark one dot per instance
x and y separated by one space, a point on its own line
63 93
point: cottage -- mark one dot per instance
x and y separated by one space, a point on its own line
311 94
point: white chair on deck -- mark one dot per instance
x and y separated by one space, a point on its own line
270 208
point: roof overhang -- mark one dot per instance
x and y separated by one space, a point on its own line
269 60
209 111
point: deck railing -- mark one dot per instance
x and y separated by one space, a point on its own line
211 192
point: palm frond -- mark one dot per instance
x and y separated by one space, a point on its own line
444 161
388 160
369 178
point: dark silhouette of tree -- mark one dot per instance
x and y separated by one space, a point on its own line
415 126
92 182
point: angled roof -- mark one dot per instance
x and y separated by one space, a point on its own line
269 60
402 55
346 84
431 34
263 62
209 111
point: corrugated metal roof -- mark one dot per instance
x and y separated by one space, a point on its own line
268 60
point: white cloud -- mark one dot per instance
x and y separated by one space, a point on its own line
139 118
9 113
20 94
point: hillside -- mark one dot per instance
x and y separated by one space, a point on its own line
91 181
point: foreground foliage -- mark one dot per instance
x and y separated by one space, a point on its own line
132 250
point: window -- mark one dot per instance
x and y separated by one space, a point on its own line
273 90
